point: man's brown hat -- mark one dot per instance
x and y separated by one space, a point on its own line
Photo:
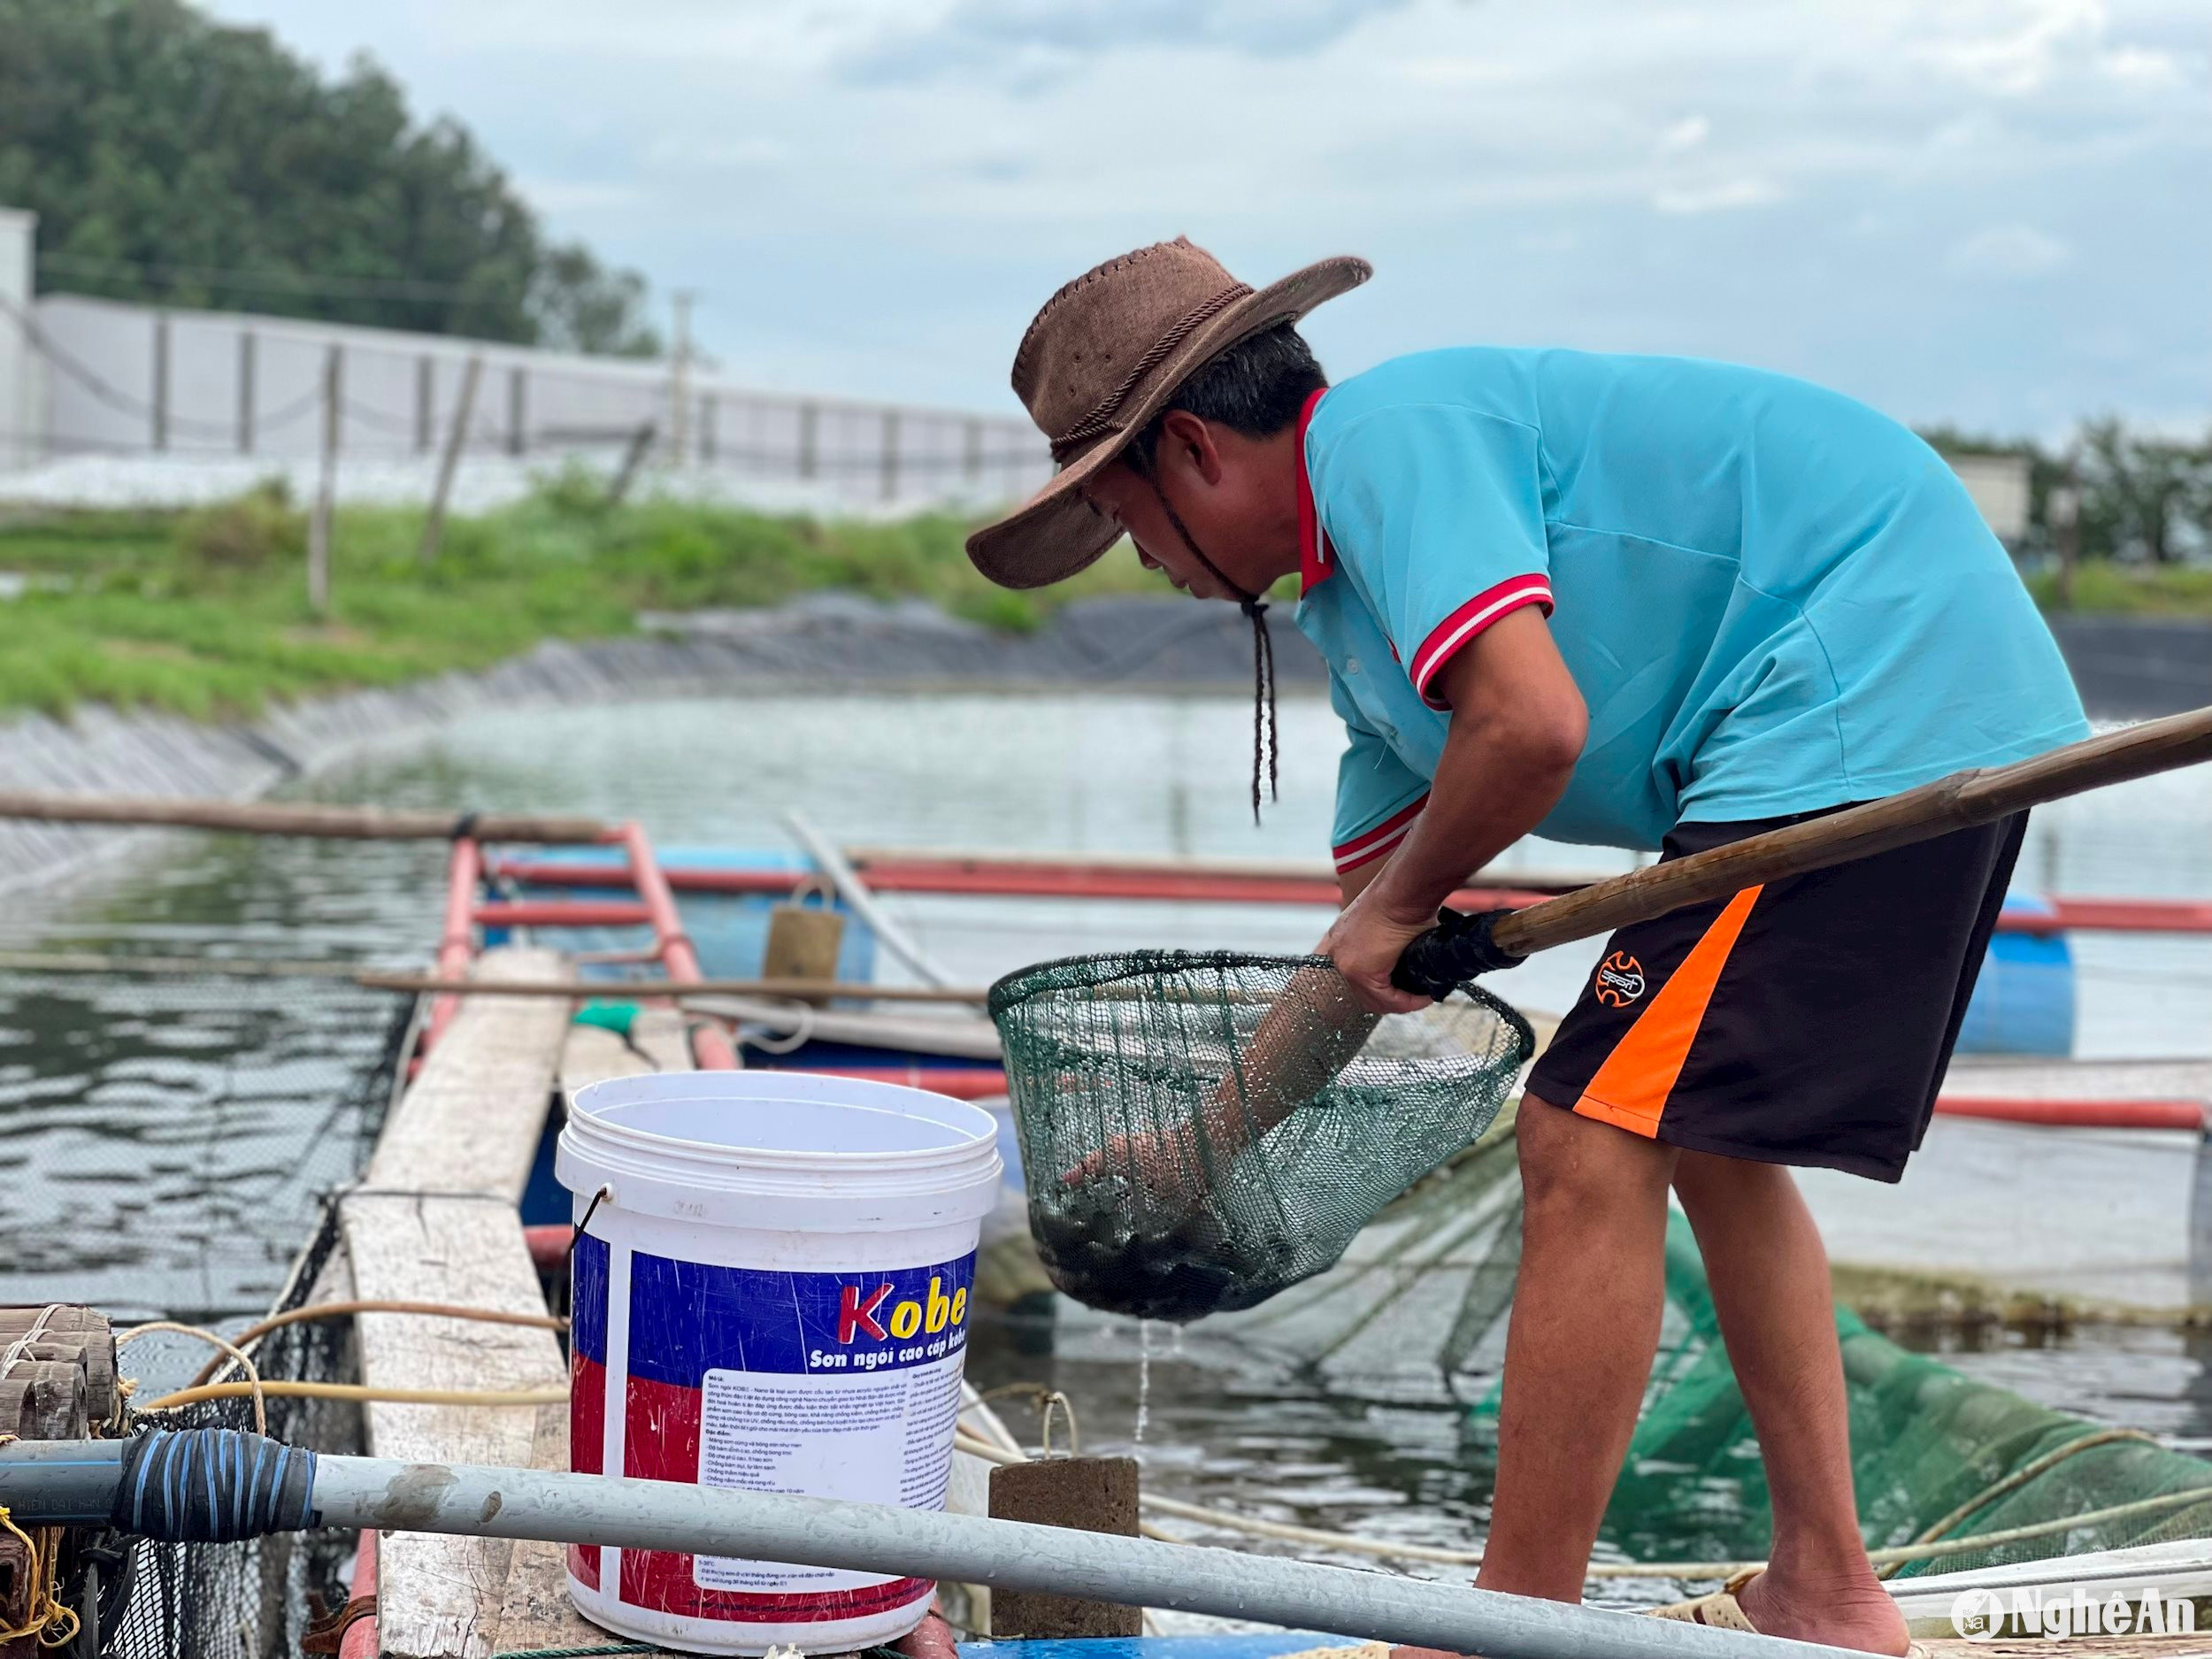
1104 357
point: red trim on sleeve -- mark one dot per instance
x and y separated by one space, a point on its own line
1316 557
1471 619
1372 844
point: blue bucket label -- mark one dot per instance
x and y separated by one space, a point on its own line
837 1384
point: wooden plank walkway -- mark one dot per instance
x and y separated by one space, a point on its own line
435 1220
535 1612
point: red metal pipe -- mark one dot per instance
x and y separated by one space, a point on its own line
710 1045
548 1246
962 1082
563 913
1025 879
2117 915
2078 1114
359 1640
456 944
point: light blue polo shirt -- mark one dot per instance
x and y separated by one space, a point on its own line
1772 598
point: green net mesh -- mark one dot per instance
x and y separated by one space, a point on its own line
1427 1288
1200 1131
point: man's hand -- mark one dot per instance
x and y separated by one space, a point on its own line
1365 943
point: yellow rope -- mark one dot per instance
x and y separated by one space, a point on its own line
253 1385
361 1392
342 1309
54 1624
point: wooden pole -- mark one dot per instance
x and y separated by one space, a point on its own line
265 817
449 464
326 489
632 458
441 985
1961 800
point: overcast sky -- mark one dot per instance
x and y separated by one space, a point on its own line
1993 212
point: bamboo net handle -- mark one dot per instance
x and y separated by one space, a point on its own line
1964 799
265 818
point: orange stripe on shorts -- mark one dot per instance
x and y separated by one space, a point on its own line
1630 1090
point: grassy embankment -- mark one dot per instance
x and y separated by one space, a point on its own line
204 613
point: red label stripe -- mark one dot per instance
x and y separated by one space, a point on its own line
1372 844
1471 619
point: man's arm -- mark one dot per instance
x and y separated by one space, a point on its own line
1517 728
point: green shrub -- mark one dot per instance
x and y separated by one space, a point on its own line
247 533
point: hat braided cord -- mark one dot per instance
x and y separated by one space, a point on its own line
1100 418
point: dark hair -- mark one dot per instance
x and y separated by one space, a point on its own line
1256 387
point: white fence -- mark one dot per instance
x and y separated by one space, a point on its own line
84 378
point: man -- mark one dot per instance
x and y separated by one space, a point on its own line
1639 602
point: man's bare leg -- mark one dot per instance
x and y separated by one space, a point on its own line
1768 1274
1578 1350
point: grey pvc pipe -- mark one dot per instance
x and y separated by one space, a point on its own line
366 1492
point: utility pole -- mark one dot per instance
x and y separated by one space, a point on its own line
2063 511
679 378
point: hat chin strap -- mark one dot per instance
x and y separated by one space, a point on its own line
1266 741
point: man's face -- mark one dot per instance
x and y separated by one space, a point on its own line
1223 490
1130 501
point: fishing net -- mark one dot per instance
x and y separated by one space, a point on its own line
1200 1131
1426 1292
1936 1457
255 1598
172 1135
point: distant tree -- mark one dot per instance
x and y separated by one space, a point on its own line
2143 497
172 160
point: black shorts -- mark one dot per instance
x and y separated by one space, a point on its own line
1808 1021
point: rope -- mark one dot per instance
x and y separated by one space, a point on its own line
23 1344
253 1385
342 1309
45 1616
1047 1400
360 1392
578 1653
2020 1476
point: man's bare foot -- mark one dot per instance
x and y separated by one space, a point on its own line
1854 1613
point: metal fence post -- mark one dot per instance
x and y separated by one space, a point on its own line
425 401
810 418
245 391
709 404
319 527
890 454
161 380
515 408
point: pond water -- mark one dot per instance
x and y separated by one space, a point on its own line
106 1134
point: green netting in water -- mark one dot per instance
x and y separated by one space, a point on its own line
1934 1451
1202 1131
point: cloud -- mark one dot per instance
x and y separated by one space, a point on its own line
1725 195
1031 42
1687 134
2007 253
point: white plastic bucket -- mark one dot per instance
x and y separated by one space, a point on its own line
770 1293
